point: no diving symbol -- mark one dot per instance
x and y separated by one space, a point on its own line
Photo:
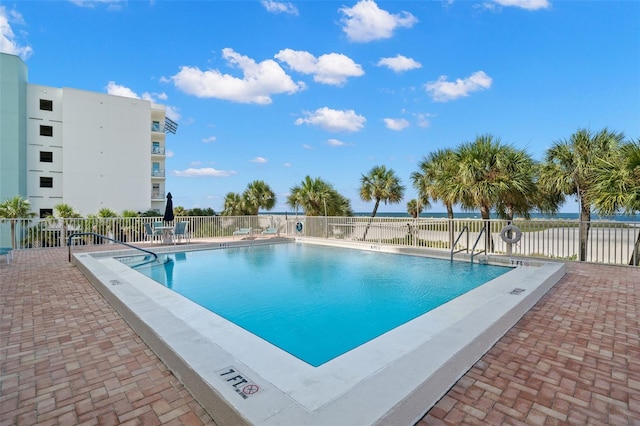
250 389
237 381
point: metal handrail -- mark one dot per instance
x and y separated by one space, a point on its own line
453 246
108 238
484 228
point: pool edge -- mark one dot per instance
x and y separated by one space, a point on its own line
408 410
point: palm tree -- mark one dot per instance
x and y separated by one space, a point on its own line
338 205
311 195
233 205
65 211
179 211
318 198
258 195
617 186
482 179
416 206
494 175
106 213
570 166
436 179
381 185
520 192
13 209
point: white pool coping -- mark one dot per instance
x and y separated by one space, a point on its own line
393 379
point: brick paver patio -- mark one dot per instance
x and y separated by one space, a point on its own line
67 357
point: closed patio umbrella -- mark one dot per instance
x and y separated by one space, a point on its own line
168 210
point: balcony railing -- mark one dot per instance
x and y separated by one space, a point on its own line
157 173
156 127
157 150
157 195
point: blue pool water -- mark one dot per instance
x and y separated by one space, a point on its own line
316 302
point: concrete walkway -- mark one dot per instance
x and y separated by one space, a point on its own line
67 358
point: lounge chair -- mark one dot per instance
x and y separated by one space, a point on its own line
271 231
7 252
180 232
9 249
242 231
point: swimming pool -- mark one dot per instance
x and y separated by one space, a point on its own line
392 379
316 302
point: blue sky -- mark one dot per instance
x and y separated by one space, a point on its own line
277 91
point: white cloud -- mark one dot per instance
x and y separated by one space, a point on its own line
8 42
335 142
279 7
396 123
169 154
331 68
333 120
424 119
287 164
443 90
260 160
111 4
399 63
203 172
115 89
525 4
172 113
366 21
258 83
209 139
307 146
118 90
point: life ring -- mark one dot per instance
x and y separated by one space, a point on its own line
299 226
516 234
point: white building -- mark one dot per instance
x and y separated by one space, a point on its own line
89 150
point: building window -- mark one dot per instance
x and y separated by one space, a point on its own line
156 148
46 130
46 182
46 105
45 213
46 157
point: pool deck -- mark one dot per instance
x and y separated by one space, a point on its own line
67 357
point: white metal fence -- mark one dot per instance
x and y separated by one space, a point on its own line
610 242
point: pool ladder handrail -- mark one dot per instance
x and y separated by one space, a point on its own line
453 246
465 229
77 234
473 249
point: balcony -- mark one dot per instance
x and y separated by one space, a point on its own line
157 173
157 195
169 126
157 150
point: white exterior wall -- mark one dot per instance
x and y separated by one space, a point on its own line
44 198
106 152
101 146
